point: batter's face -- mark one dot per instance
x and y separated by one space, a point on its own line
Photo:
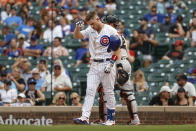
94 23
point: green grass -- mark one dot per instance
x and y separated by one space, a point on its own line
100 128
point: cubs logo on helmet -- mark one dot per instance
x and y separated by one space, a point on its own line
105 40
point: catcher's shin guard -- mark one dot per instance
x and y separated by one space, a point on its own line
131 106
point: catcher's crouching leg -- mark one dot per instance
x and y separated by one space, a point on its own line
102 114
132 109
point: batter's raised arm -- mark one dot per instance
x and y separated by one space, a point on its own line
77 33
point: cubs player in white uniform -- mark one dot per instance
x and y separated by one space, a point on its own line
125 85
101 69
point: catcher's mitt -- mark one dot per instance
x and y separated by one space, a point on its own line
122 77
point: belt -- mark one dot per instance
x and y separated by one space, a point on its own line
101 60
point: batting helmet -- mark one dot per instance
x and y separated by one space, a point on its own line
111 19
114 43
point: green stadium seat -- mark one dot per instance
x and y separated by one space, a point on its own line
157 77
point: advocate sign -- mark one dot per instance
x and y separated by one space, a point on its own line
26 121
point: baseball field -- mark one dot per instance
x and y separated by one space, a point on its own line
100 128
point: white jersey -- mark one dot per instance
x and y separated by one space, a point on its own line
98 43
189 88
123 47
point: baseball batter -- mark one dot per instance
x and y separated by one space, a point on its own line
101 69
123 67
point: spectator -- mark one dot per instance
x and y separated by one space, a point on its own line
76 17
144 28
6 12
42 67
5 77
163 98
80 52
22 44
63 70
35 49
59 99
64 25
58 49
20 61
144 45
194 16
100 10
43 3
188 87
26 28
123 30
44 18
179 5
167 25
71 3
192 32
83 13
134 38
60 81
139 82
161 6
65 12
26 71
13 49
23 16
181 98
176 53
38 32
13 21
16 77
52 31
51 10
8 36
170 10
4 2
8 95
75 99
192 75
24 12
35 95
91 4
22 101
37 77
153 17
2 67
111 6
60 3
178 29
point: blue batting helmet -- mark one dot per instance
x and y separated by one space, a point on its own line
114 43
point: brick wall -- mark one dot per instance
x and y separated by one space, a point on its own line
64 115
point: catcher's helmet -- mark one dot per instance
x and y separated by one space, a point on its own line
114 43
111 19
122 77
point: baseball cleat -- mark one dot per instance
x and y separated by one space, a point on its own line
134 122
109 123
81 121
97 122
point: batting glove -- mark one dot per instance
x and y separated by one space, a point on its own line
108 67
80 24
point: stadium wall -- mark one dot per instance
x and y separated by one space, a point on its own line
149 115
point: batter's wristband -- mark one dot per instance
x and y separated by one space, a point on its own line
113 59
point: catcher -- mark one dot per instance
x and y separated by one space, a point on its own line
122 80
